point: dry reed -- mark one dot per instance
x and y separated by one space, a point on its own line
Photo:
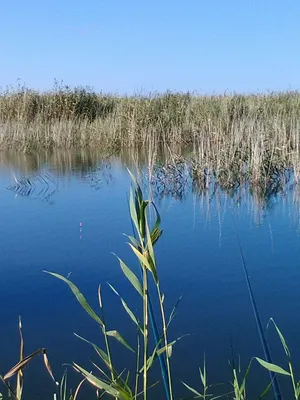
232 138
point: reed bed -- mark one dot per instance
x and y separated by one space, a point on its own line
233 137
65 117
226 141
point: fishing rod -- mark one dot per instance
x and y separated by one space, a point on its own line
274 380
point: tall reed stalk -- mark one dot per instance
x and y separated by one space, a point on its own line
143 248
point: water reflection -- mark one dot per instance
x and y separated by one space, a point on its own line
40 186
38 175
62 161
166 173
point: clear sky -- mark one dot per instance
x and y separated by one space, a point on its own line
126 46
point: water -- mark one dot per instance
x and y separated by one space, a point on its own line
70 218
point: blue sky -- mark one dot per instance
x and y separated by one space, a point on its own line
127 46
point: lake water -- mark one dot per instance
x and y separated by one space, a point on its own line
70 218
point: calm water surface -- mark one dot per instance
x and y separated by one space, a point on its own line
70 220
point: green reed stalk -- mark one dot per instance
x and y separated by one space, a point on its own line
145 312
137 374
165 340
144 251
135 212
104 331
295 389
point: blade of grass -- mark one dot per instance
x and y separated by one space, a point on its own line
131 276
115 334
272 367
63 387
19 390
98 383
79 296
127 309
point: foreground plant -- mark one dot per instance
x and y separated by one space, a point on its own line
117 384
17 370
277 369
205 387
111 382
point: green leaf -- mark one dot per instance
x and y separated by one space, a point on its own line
298 389
156 232
265 392
138 193
120 339
236 385
163 349
131 277
133 178
143 216
173 312
155 235
272 367
98 383
99 351
158 351
133 213
152 357
63 386
151 252
149 241
131 315
127 309
282 339
80 297
169 351
243 385
132 239
192 390
144 261
203 373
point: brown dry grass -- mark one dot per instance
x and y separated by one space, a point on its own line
233 138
